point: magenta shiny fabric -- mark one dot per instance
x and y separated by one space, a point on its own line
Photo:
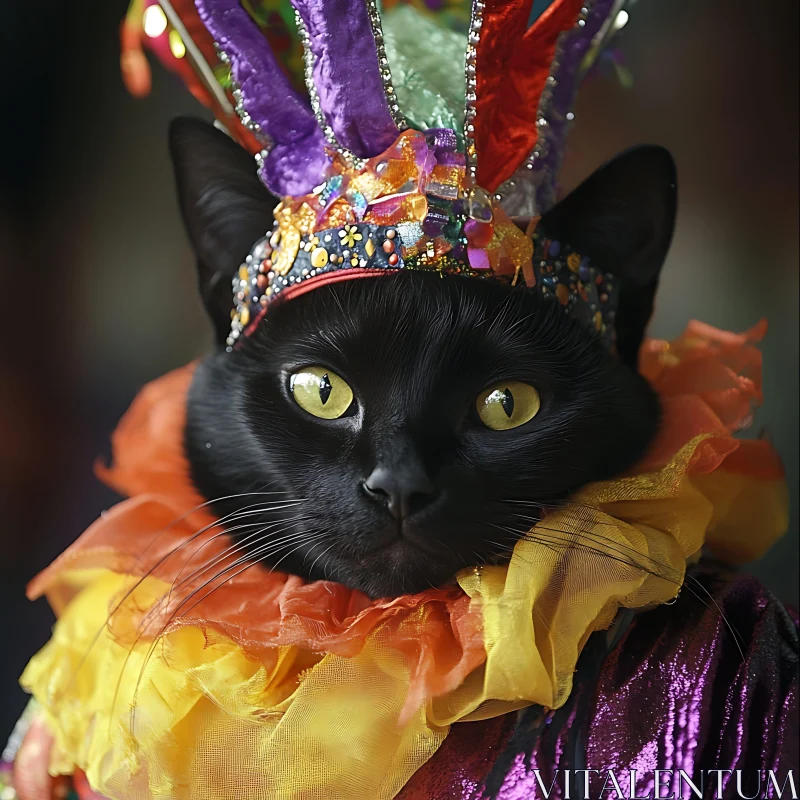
674 692
347 76
296 162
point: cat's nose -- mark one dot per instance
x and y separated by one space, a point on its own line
404 492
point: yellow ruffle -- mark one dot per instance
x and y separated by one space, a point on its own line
194 716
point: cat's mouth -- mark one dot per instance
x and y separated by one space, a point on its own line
406 544
402 540
404 563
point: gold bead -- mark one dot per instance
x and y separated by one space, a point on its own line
319 258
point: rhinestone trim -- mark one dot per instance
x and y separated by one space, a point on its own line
244 117
238 97
470 74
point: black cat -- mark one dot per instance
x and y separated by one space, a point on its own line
407 477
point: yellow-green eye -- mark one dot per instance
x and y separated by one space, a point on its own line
507 405
321 392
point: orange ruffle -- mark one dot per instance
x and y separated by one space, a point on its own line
709 382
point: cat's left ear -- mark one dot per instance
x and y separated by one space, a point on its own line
225 208
622 218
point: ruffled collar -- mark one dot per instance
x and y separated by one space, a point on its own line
373 685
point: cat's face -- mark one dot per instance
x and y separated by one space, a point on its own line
402 427
408 484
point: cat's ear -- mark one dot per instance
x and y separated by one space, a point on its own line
224 205
623 217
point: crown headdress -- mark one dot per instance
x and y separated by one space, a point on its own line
383 163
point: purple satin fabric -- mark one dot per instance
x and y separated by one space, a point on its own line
673 693
297 160
347 76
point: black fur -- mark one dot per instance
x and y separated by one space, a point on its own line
417 349
225 208
623 217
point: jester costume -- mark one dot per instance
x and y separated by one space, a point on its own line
569 672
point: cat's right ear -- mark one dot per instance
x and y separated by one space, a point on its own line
224 205
623 217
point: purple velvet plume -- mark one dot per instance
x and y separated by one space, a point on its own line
347 75
297 161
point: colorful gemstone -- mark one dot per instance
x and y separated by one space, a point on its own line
358 202
369 248
434 222
478 234
331 189
478 258
393 259
388 246
479 204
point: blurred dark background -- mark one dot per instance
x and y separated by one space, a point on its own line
97 281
